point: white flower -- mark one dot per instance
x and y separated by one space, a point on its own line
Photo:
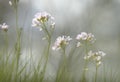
98 63
41 18
86 57
101 53
91 38
10 3
61 41
89 55
4 27
35 22
98 57
82 36
52 21
85 37
79 44
95 56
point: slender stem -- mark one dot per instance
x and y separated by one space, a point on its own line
84 71
47 51
5 50
86 63
96 73
17 44
44 68
104 70
18 41
6 40
16 19
18 32
6 36
64 55
65 61
62 70
44 27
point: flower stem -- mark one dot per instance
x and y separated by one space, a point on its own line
6 40
62 68
86 63
18 40
47 53
44 27
96 73
64 54
44 68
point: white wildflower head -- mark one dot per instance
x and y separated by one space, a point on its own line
52 22
98 63
42 18
91 38
4 27
98 58
10 3
89 55
61 42
13 3
83 36
95 56
79 44
101 53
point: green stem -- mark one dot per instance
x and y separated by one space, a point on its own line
7 54
5 50
96 73
44 27
6 36
16 16
18 41
45 30
18 32
62 70
47 57
86 64
84 71
65 61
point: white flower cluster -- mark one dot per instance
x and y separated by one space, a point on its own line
10 3
61 42
96 56
85 37
4 27
41 18
13 3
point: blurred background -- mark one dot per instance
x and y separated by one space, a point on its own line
100 17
